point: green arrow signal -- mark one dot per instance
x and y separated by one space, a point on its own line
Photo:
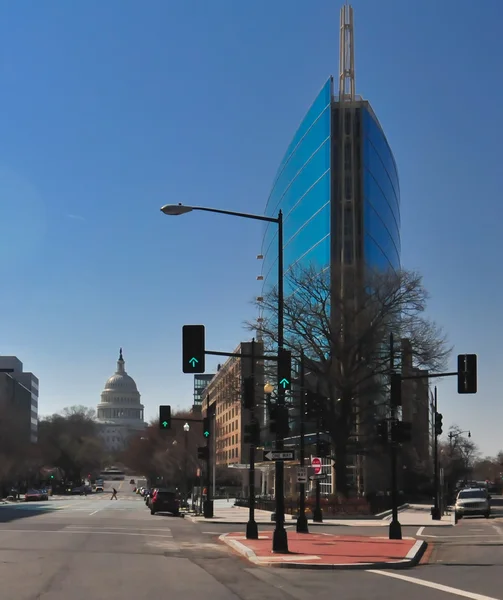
164 424
206 434
193 361
284 382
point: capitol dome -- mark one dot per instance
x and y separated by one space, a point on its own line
120 400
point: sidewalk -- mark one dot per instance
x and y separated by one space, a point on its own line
235 515
419 515
327 551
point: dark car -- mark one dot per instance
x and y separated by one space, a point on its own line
164 501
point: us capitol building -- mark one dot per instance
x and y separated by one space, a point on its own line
120 413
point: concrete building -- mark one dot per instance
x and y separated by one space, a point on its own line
120 413
222 401
14 367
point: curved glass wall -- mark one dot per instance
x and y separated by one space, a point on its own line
381 198
301 190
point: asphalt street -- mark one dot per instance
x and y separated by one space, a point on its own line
95 547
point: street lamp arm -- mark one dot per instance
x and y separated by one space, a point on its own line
181 209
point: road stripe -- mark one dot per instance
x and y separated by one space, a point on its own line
435 586
420 531
86 532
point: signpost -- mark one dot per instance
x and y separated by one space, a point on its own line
316 464
301 475
273 455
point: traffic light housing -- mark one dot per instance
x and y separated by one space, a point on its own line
278 420
438 423
249 393
252 433
323 449
396 390
193 347
382 431
313 405
164 417
467 374
284 369
206 427
401 432
203 452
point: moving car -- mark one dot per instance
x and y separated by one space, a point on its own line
36 495
164 501
473 501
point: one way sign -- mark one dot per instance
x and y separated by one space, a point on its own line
273 455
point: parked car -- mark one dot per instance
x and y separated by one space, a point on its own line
36 495
164 501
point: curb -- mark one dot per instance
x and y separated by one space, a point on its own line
389 512
411 560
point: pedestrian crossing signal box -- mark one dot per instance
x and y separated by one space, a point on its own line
193 346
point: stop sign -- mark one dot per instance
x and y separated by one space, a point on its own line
316 463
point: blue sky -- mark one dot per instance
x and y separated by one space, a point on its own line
111 109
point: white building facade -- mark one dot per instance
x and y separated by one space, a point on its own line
120 413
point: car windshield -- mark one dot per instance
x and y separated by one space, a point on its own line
471 494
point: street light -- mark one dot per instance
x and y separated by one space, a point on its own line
268 388
279 539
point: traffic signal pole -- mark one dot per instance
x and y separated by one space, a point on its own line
302 526
208 503
395 529
251 526
435 513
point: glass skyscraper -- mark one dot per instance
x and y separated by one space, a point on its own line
307 189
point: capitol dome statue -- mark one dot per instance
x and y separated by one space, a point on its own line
120 413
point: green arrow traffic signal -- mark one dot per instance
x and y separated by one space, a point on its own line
193 362
206 434
164 424
284 382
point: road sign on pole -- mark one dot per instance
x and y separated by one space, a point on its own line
301 475
316 464
273 455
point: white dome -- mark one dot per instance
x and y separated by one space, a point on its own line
121 382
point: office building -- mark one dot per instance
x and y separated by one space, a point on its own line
337 187
222 402
201 381
28 383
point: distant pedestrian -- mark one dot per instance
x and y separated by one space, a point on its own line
114 494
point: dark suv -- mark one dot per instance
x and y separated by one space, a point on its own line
164 501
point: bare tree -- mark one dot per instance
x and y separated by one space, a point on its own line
345 339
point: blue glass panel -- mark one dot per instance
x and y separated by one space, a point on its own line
306 153
374 195
375 257
307 238
317 107
375 228
374 165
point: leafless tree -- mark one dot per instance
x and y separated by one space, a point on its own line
345 339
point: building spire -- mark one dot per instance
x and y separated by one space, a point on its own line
347 55
120 354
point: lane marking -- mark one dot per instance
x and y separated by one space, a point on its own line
460 537
99 532
118 528
420 531
96 511
435 586
211 532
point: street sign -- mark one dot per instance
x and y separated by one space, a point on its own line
273 455
319 477
301 475
316 464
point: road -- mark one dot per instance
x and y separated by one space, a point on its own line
94 547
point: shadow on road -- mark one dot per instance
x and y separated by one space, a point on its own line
21 511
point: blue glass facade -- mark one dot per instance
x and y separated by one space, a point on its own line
301 190
381 203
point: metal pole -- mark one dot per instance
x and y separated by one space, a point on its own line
186 477
395 529
435 513
279 538
208 503
251 526
214 451
302 520
317 514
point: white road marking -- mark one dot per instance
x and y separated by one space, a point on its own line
87 531
460 537
119 528
435 586
211 532
93 513
420 531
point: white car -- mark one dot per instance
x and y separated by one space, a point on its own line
473 501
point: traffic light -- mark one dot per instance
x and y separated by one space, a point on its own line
252 433
249 393
164 417
438 423
382 431
284 369
278 420
401 432
323 449
206 427
51 476
313 405
203 452
193 349
396 390
467 374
